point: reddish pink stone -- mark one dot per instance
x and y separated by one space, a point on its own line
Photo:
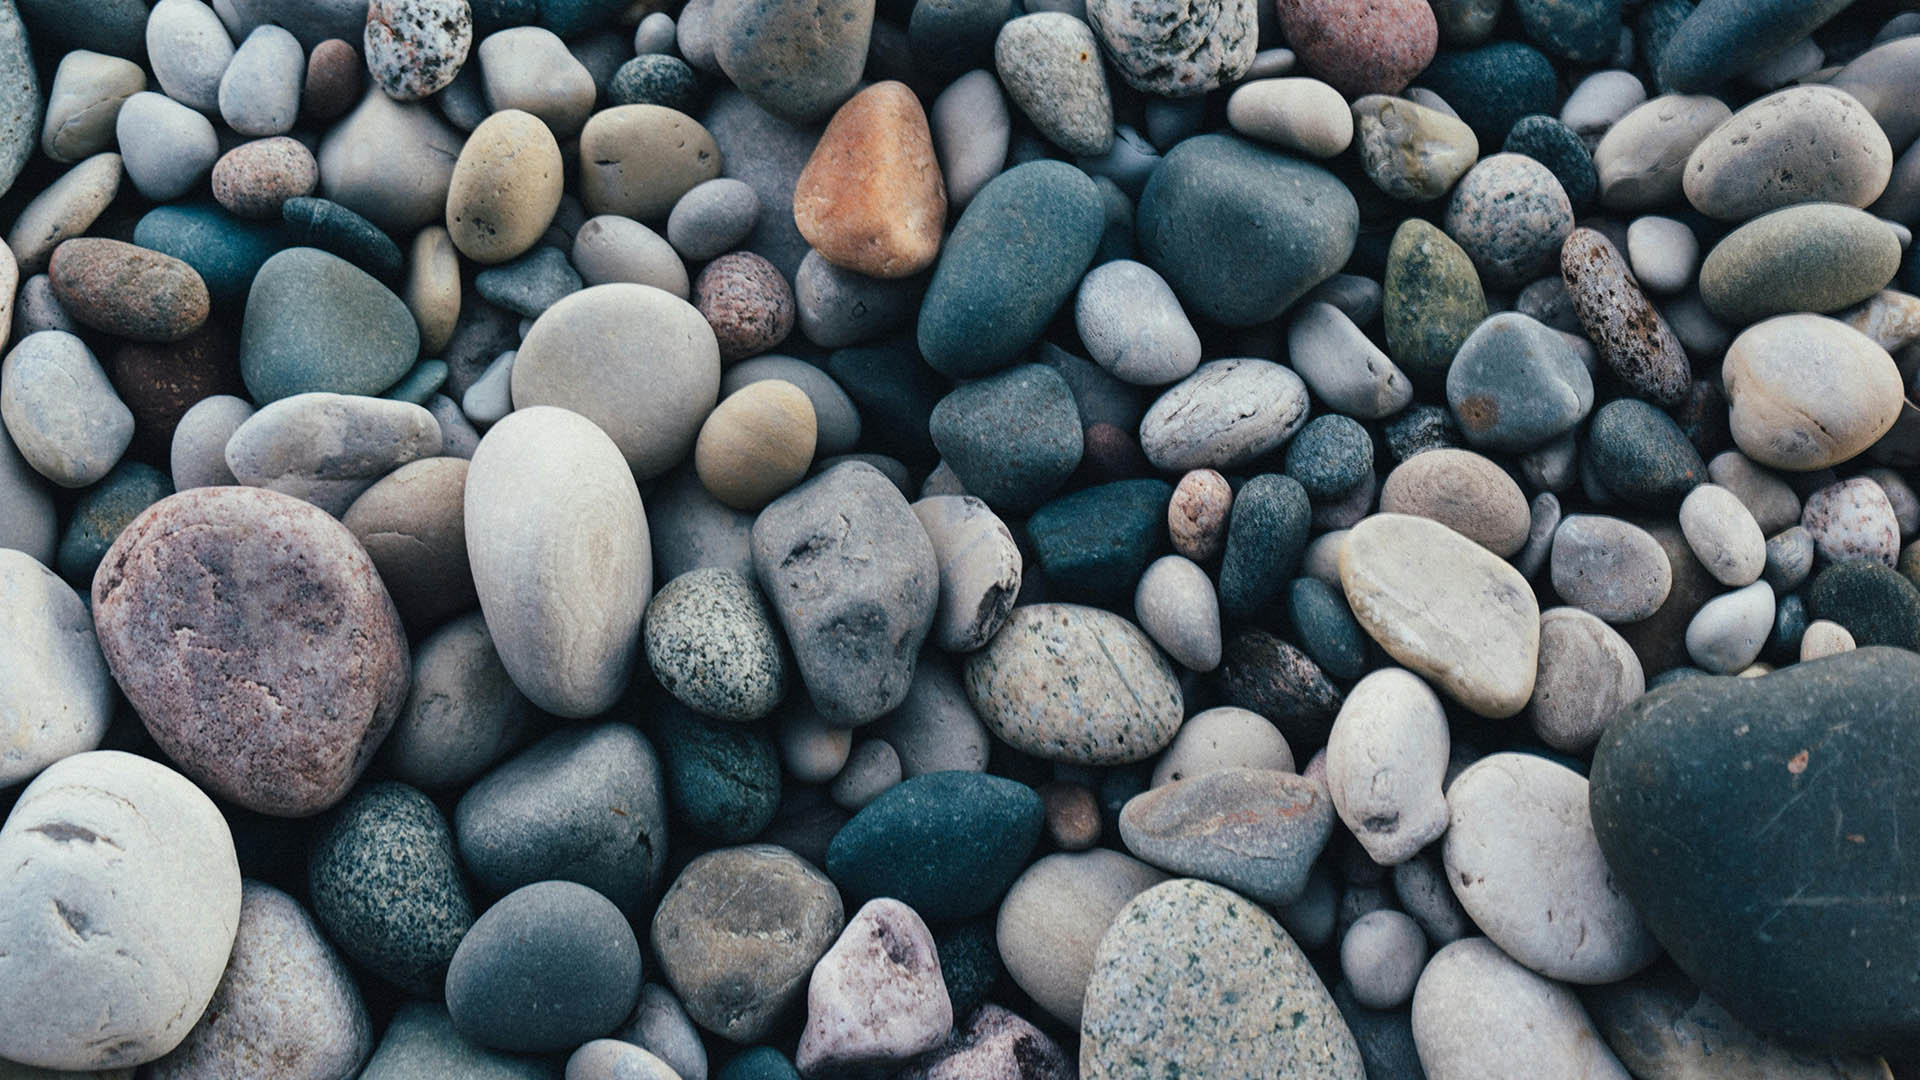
1361 46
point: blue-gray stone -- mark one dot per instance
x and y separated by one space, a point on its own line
1641 455
654 79
1016 254
225 250
1584 31
1326 628
420 384
570 18
1516 384
531 283
1266 536
325 224
115 27
1094 544
1493 86
1558 147
946 844
1241 231
723 778
1723 38
102 511
21 105
1012 438
1329 456
421 1044
316 322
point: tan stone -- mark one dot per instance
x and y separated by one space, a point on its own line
1808 392
1464 491
871 198
433 288
505 188
756 444
638 160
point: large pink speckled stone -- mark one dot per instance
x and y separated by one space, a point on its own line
252 634
1361 46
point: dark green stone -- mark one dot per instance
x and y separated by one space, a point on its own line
1326 628
1012 438
1555 145
1789 626
529 284
1433 301
1266 535
1094 544
116 27
969 962
1329 456
1642 456
102 511
1756 825
1876 603
1584 31
327 225
1493 86
1723 38
1271 677
759 1063
492 15
654 79
723 778
226 251
1016 254
1674 675
1242 231
946 844
386 886
895 393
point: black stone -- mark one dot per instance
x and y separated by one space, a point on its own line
946 844
1094 544
1876 603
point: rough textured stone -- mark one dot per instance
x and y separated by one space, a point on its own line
1177 49
876 999
416 47
128 291
1628 332
711 643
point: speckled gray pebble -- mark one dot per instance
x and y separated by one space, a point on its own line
711 643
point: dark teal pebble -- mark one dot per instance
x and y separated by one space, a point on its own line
1266 536
1789 626
1493 86
1013 438
115 27
327 225
1326 628
1642 456
1015 256
1876 603
1241 231
386 885
948 38
225 250
571 18
946 844
1330 456
1674 675
1653 30
895 393
1516 384
1722 38
759 1063
969 962
723 779
492 15
1385 1036
102 511
554 964
1555 145
1094 544
1583 31
655 79
531 283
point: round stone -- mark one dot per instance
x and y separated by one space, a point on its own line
655 79
710 641
1475 1008
550 966
713 218
1053 918
1853 519
1304 115
329 448
1133 325
416 47
1197 514
316 322
167 148
1464 491
241 622
1808 392
1202 421
505 187
756 444
1381 957
1411 152
1609 567
638 160
796 62
1801 144
1510 214
1516 384
1723 535
1385 760
254 179
1049 63
1361 48
1012 438
1588 673
747 302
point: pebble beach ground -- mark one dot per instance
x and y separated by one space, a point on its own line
959 540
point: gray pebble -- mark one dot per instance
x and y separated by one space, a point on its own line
27 519
1381 957
1133 325
655 34
490 398
713 218
1609 567
691 529
971 130
1770 499
421 1044
329 448
529 68
872 767
839 307
199 452
56 697
61 410
1420 884
530 284
463 712
260 92
1050 65
612 1059
1478 1013
167 148
190 50
935 729
711 644
1203 421
661 1026
1176 605
457 436
980 569
1588 673
1853 519
1728 631
1386 757
1345 369
612 248
84 101
1789 559
1723 535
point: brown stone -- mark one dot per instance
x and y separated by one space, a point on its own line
253 179
253 636
129 291
160 382
413 524
334 72
1072 815
1197 515
1630 335
747 302
871 198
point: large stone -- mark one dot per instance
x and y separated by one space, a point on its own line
851 574
1241 232
1817 257
61 411
315 321
1801 144
421 1044
946 843
390 162
1696 790
56 697
1808 392
1195 980
565 614
119 868
796 59
1477 1013
876 999
1445 607
252 633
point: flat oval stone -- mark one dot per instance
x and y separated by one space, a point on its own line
1801 144
528 68
255 180
1386 757
125 866
1049 64
638 160
1409 151
128 291
1609 567
1522 860
741 968
1446 608
60 411
1176 605
1201 422
1257 831
190 50
968 834
66 209
505 187
871 198
463 712
1464 491
316 322
1817 257
1875 605
1588 672
796 60
1516 384
710 641
259 93
1808 392
1133 325
1786 752
292 664
548 967
1304 115
1015 255
327 449
1240 231
1476 1009
59 696
1248 996
650 391
1121 704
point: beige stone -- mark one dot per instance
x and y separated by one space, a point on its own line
505 188
1808 392
638 160
1464 491
756 444
433 288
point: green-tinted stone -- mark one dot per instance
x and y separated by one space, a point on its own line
1326 628
1722 38
1816 257
1642 456
969 963
896 394
570 18
1876 603
946 844
1015 255
102 511
1266 536
1242 231
327 225
759 1063
316 322
386 886
1493 86
1433 301
1757 826
1012 438
1095 543
1560 149
723 778
424 381
225 250
1329 456
1654 28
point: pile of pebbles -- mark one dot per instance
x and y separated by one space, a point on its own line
959 540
